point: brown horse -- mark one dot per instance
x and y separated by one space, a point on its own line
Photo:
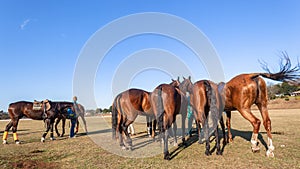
167 101
34 110
244 90
125 109
80 111
206 100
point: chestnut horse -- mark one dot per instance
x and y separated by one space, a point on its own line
80 111
206 100
244 90
44 111
167 101
125 109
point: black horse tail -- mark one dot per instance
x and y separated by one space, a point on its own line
214 114
114 116
287 73
160 109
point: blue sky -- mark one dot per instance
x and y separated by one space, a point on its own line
40 42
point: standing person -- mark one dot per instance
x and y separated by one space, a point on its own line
76 109
190 116
73 118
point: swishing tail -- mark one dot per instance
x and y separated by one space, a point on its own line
287 73
213 117
114 117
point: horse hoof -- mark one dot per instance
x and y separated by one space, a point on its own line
256 150
219 153
52 138
167 156
42 139
207 153
17 142
269 154
175 144
4 142
124 148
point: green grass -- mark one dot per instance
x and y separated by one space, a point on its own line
82 152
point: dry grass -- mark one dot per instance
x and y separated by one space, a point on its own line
82 152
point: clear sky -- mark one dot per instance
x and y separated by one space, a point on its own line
40 42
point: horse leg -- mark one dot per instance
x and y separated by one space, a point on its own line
63 124
149 126
77 126
223 131
47 121
121 137
228 124
14 129
219 152
5 134
125 130
84 122
246 113
174 132
199 131
183 117
51 131
154 122
128 139
166 148
267 125
56 124
206 136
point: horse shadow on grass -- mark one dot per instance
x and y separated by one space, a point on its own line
247 136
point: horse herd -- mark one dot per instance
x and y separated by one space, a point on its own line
206 99
42 110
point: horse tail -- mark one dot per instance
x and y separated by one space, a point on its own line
287 73
160 109
114 116
214 114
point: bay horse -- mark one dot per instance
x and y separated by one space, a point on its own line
167 101
43 111
80 111
125 109
205 100
244 90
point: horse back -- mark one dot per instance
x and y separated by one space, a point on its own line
244 90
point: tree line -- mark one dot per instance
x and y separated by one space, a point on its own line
281 90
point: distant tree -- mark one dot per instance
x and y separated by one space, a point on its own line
287 89
272 90
98 111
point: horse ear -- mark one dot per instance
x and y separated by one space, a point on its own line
178 78
183 77
189 77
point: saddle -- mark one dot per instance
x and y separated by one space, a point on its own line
37 105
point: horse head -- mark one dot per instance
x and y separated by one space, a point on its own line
175 83
186 85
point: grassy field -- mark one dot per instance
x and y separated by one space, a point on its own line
82 152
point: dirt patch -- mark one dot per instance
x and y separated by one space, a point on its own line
30 164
